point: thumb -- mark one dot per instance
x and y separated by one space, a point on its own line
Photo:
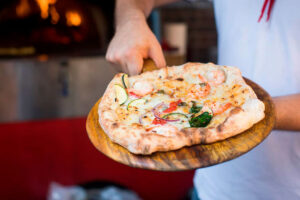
157 55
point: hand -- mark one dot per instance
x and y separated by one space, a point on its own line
132 42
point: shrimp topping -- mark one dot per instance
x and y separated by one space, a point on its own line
216 77
141 88
197 91
202 78
218 108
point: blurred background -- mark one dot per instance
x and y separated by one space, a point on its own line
53 70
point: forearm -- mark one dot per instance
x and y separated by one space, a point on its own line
135 10
128 10
287 112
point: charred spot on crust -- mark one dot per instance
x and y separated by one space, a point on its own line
232 112
179 79
202 133
115 125
146 149
188 131
235 110
220 127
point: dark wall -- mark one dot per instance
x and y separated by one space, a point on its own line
202 34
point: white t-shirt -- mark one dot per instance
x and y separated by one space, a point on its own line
269 54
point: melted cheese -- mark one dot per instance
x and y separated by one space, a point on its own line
177 86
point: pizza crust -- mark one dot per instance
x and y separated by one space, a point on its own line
139 141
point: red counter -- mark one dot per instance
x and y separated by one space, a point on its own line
33 154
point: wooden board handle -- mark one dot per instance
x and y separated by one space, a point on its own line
149 65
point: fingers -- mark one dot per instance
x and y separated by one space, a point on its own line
157 55
129 53
134 64
116 59
130 62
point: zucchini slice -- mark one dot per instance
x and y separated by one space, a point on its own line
175 115
136 103
121 94
125 81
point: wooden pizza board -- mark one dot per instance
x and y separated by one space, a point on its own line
186 158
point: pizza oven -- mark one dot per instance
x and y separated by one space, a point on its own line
52 57
54 27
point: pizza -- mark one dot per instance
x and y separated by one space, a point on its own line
178 106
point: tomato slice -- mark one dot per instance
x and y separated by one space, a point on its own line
173 106
157 121
133 94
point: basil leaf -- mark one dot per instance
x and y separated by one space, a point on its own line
195 109
201 120
161 92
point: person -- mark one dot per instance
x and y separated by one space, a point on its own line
267 52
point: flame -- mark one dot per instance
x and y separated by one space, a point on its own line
73 18
54 15
23 8
44 6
